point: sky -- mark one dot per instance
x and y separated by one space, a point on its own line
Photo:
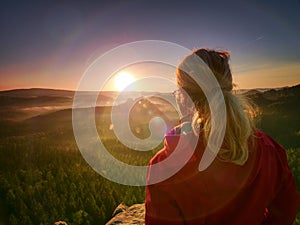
50 44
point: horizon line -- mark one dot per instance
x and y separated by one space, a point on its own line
72 90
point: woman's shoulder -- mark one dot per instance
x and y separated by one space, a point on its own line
182 131
158 157
271 154
265 141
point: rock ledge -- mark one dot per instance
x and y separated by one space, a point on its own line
128 215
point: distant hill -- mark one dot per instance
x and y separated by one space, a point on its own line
35 92
289 94
21 104
139 116
280 110
47 109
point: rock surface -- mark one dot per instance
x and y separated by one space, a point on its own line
60 223
128 215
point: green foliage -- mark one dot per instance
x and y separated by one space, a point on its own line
279 115
41 183
294 163
297 220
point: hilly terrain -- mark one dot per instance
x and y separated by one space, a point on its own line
279 112
44 178
32 110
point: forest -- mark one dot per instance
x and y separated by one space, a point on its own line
44 178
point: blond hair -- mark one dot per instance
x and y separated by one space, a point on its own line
239 111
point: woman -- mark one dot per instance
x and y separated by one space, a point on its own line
249 181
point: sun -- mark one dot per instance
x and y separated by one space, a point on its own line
122 80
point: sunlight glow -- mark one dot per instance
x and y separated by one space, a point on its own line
122 80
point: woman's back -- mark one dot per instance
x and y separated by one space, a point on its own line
225 193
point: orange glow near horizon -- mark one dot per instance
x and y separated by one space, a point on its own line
271 76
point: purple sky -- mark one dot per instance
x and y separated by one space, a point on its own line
50 44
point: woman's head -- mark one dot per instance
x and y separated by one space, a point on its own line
218 63
239 126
